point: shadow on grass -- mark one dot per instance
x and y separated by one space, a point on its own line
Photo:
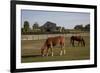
27 56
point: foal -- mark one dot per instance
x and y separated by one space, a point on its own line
51 42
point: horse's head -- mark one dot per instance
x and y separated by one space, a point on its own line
42 50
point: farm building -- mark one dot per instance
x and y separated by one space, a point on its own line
48 27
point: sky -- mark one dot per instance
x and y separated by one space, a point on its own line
63 19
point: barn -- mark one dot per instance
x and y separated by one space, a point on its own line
49 27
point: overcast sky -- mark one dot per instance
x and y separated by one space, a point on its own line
64 19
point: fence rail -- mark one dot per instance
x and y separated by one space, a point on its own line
45 36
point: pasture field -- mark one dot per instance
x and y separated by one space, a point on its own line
30 51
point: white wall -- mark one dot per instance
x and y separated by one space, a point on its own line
5 37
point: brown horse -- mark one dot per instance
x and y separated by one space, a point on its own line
51 42
77 38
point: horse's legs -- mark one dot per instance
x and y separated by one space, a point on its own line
47 51
79 43
51 49
73 43
83 42
62 51
42 52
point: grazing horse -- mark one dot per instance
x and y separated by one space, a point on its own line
77 38
51 42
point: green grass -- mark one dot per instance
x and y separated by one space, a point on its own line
30 51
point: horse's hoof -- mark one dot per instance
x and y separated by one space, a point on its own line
47 55
64 52
60 54
42 55
51 55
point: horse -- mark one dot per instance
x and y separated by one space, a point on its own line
79 39
51 42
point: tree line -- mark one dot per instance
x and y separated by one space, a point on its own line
26 29
81 27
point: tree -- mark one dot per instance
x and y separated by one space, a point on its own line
26 26
22 30
35 25
58 28
87 27
63 29
79 27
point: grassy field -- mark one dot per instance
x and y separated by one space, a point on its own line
30 51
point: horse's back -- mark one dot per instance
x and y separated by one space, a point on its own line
60 39
55 40
76 37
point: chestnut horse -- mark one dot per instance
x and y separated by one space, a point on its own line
51 42
77 38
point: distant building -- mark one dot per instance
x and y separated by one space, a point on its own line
48 27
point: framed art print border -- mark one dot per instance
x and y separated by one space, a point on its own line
13 36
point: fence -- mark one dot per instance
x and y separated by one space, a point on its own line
45 36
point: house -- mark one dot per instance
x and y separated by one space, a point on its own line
49 27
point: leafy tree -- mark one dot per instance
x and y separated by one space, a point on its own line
22 30
63 29
79 27
35 26
26 26
87 27
58 28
